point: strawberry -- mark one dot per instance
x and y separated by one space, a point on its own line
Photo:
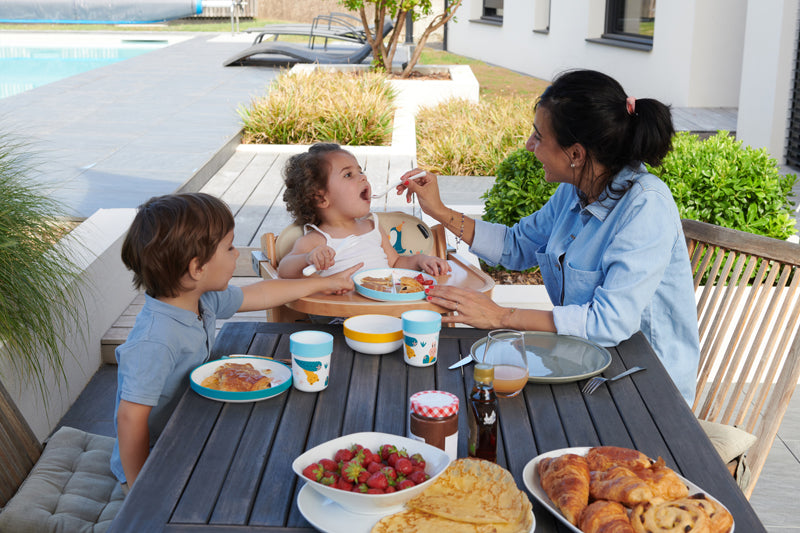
343 455
378 481
313 471
375 491
389 489
386 450
361 487
405 484
329 478
352 471
418 476
329 464
390 473
403 466
369 457
392 459
343 484
417 461
374 467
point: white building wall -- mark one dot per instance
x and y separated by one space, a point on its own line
767 69
695 60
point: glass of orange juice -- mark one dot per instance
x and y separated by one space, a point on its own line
505 350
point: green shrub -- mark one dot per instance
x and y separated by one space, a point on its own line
461 138
347 108
518 190
719 181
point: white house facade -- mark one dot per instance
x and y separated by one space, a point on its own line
686 53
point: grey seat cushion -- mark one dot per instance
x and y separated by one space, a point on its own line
70 488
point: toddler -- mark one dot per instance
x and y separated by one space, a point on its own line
328 193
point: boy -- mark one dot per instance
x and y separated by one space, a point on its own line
180 249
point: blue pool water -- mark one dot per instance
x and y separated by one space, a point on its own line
26 66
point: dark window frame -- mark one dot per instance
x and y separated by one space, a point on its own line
613 9
492 16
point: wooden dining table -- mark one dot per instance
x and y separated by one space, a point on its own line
226 467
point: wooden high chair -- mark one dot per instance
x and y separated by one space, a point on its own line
408 234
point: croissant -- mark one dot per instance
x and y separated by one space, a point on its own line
663 481
605 517
602 458
565 479
677 516
619 484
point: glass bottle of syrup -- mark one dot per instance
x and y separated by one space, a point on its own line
482 442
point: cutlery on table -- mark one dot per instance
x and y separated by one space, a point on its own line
392 187
349 241
284 361
593 384
461 362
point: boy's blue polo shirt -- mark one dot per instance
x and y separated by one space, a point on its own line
611 268
164 346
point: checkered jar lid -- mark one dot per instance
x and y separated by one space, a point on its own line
434 404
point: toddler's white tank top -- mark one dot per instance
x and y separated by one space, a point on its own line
366 248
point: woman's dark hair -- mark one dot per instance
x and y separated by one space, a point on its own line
167 233
591 108
306 180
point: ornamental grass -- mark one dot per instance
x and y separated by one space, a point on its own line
463 138
41 300
322 106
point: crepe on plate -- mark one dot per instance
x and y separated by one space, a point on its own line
471 496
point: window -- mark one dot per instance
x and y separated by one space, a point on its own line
630 20
493 10
541 16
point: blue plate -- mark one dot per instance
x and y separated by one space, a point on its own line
281 379
396 274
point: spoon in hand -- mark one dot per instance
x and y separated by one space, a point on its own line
384 193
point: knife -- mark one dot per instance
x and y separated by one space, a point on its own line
461 362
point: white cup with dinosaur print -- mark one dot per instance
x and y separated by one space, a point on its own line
421 336
311 359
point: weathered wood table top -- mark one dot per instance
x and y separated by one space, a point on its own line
227 466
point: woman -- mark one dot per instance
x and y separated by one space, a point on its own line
609 242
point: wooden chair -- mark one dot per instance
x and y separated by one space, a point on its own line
67 485
408 235
748 309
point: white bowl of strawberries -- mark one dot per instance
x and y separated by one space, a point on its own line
371 473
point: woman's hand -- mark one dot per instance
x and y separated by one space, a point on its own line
426 188
473 308
322 257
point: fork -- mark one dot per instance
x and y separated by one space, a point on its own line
346 243
596 381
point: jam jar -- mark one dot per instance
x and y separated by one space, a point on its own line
433 418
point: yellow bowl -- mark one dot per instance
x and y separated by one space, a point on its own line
373 334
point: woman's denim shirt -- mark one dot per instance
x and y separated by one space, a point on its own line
612 268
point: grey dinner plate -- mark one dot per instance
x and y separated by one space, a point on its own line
554 358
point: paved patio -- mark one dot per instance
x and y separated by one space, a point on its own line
151 125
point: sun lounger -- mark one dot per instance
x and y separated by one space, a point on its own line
338 26
282 53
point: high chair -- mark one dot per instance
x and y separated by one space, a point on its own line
408 234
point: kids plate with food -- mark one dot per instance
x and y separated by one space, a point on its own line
393 284
239 379
586 487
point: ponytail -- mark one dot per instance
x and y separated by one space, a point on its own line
592 109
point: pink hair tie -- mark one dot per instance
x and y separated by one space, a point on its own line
630 104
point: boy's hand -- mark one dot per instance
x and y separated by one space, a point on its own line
435 266
341 283
322 257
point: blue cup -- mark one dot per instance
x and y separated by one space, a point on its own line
421 336
311 359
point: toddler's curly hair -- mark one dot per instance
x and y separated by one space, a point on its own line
306 178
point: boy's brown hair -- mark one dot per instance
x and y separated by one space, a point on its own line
167 233
306 178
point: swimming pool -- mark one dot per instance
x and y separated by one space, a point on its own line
31 60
